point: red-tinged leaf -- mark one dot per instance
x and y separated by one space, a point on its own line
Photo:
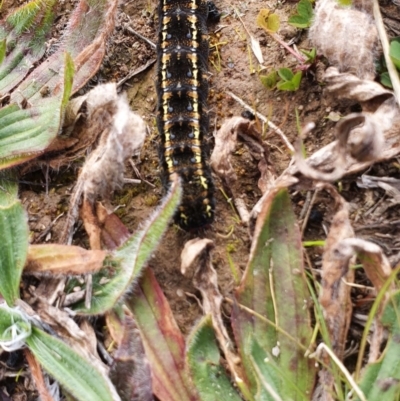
24 33
63 259
130 373
274 288
26 132
89 26
163 341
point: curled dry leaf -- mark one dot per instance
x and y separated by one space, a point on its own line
335 21
196 255
359 137
378 270
335 293
379 142
221 159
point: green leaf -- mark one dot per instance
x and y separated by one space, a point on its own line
14 238
203 359
24 133
3 44
163 342
286 74
310 54
78 376
286 86
25 31
14 328
269 81
394 52
304 15
381 380
385 80
127 262
304 8
297 79
274 278
298 21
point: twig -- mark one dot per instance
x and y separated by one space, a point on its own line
265 120
308 212
148 41
135 72
394 77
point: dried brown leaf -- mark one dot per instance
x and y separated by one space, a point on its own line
335 293
221 159
196 255
37 375
360 138
130 373
63 259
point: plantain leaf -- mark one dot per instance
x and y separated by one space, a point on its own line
162 340
203 360
23 35
79 377
24 133
14 238
274 278
126 263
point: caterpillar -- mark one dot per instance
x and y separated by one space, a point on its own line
182 120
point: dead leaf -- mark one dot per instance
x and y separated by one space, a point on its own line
334 295
63 259
196 255
131 372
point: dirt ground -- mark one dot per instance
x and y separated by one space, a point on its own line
233 68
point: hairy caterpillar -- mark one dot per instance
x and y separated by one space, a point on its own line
181 117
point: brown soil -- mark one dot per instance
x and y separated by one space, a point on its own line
232 68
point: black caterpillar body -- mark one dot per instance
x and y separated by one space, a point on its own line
182 120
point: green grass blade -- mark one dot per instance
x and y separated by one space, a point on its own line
79 377
381 380
203 360
126 263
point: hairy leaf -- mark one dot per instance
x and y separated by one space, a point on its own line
14 238
203 359
23 35
26 132
163 341
125 265
274 278
79 377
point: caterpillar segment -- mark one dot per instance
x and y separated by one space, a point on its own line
182 119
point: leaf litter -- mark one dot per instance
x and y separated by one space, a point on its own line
363 140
